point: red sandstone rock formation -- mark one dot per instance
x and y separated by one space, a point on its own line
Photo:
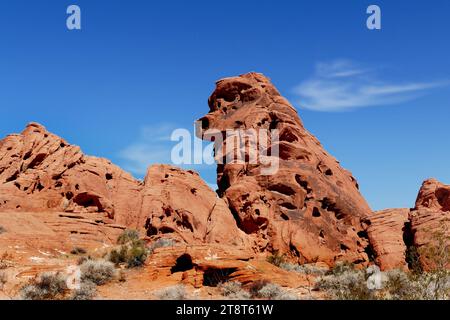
311 208
180 204
386 234
393 232
54 197
40 172
430 219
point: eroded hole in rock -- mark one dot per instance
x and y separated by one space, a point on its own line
17 185
293 249
288 206
183 263
329 205
411 253
322 234
288 135
166 229
205 123
184 223
282 188
443 197
69 195
316 212
363 234
224 183
284 216
343 247
27 155
212 276
88 200
13 177
303 183
108 176
39 187
273 124
328 172
37 160
370 252
152 231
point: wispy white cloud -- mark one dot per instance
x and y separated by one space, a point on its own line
343 85
152 146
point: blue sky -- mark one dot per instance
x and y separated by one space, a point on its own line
379 101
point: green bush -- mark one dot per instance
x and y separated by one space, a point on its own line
133 254
128 236
132 250
276 258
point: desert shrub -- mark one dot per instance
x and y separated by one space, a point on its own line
2 229
273 291
435 284
97 271
177 292
344 284
78 251
133 254
399 286
87 291
234 291
413 260
48 286
128 236
342 267
304 268
256 286
162 243
83 259
276 258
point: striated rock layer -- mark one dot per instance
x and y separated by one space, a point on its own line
386 233
311 207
